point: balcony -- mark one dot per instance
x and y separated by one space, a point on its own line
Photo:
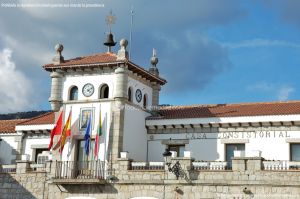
78 172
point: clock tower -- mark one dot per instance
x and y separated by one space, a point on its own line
110 90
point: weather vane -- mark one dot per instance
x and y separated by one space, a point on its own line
110 19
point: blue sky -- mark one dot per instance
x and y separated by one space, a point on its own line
210 51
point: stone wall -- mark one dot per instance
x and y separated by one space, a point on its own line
247 179
23 186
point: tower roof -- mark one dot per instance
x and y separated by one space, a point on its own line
101 60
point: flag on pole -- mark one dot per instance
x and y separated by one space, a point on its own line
65 133
99 133
87 137
56 130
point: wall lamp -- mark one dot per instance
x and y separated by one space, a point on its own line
176 168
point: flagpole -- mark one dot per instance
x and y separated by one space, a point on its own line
105 144
70 135
64 107
91 132
100 126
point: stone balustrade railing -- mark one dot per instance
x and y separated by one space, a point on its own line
210 165
281 165
8 168
147 165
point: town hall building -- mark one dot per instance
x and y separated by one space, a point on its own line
199 151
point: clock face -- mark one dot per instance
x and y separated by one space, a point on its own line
88 90
138 95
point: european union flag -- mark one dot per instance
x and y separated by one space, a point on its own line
87 137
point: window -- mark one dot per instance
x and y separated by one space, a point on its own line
230 148
104 91
179 149
37 152
295 151
74 93
145 101
129 95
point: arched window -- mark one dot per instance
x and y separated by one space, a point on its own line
104 91
129 95
73 93
145 101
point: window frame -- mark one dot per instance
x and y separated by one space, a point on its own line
291 151
102 91
177 148
130 94
72 94
145 101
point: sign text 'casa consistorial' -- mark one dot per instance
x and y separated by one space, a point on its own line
239 135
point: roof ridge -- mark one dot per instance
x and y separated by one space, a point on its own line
229 104
36 117
95 54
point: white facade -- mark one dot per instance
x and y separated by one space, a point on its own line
146 90
134 124
135 133
209 142
8 146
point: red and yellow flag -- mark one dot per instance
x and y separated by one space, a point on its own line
65 133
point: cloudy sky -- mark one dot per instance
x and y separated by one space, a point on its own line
210 51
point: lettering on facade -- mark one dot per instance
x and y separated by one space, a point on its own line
239 135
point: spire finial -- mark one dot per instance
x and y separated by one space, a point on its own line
110 19
154 60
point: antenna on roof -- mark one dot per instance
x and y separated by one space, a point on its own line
131 25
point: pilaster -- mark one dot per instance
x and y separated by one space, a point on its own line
56 90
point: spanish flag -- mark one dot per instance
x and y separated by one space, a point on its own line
56 130
65 133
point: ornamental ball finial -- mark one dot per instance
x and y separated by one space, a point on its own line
123 43
59 48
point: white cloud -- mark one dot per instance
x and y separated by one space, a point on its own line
253 43
15 89
284 92
279 92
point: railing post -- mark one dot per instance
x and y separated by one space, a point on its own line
247 163
238 164
22 166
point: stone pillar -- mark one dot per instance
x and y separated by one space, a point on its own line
255 164
56 91
118 112
22 166
124 164
238 164
121 82
19 141
155 94
247 163
116 136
